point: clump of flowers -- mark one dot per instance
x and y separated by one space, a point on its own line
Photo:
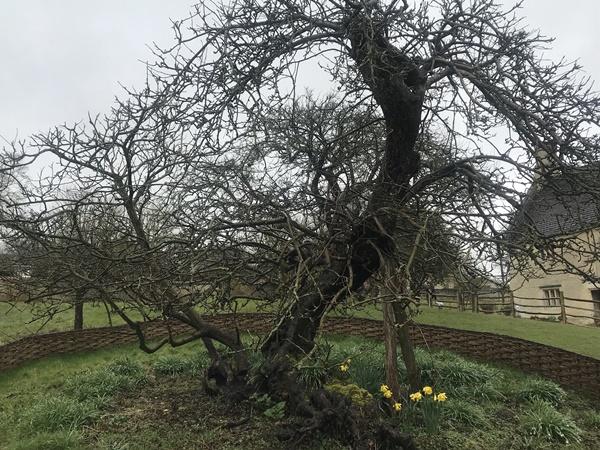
430 406
388 394
441 397
345 366
386 391
416 397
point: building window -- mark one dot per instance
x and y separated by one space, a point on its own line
552 296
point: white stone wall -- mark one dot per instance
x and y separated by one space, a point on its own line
529 291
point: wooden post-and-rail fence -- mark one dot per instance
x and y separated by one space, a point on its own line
568 310
566 368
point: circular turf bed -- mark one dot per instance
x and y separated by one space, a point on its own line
122 399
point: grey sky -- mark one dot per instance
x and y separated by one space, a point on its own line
63 58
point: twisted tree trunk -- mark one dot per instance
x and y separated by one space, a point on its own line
398 86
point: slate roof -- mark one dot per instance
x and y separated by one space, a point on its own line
562 203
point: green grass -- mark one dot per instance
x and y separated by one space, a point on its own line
91 377
57 440
539 389
462 414
540 420
24 319
176 364
488 407
123 398
22 384
56 413
61 396
97 386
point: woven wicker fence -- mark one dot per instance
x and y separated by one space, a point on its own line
567 368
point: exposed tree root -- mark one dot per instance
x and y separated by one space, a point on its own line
222 378
323 413
389 438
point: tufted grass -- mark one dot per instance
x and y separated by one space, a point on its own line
539 389
63 397
57 440
99 385
176 364
488 406
66 376
465 414
541 420
56 413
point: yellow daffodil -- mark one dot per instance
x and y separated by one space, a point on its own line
427 390
344 367
441 397
383 388
387 394
416 396
397 406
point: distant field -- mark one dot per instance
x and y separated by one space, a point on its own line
18 322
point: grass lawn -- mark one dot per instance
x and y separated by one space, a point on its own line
575 338
24 319
23 387
16 323
101 400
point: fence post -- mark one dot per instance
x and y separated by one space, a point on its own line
476 303
429 299
563 310
513 310
458 300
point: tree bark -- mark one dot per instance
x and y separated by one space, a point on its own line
297 329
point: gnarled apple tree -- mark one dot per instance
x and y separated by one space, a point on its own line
225 178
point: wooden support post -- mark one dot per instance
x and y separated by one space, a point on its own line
563 310
476 303
407 348
391 348
459 305
429 299
513 310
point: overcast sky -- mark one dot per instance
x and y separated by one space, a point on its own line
63 58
